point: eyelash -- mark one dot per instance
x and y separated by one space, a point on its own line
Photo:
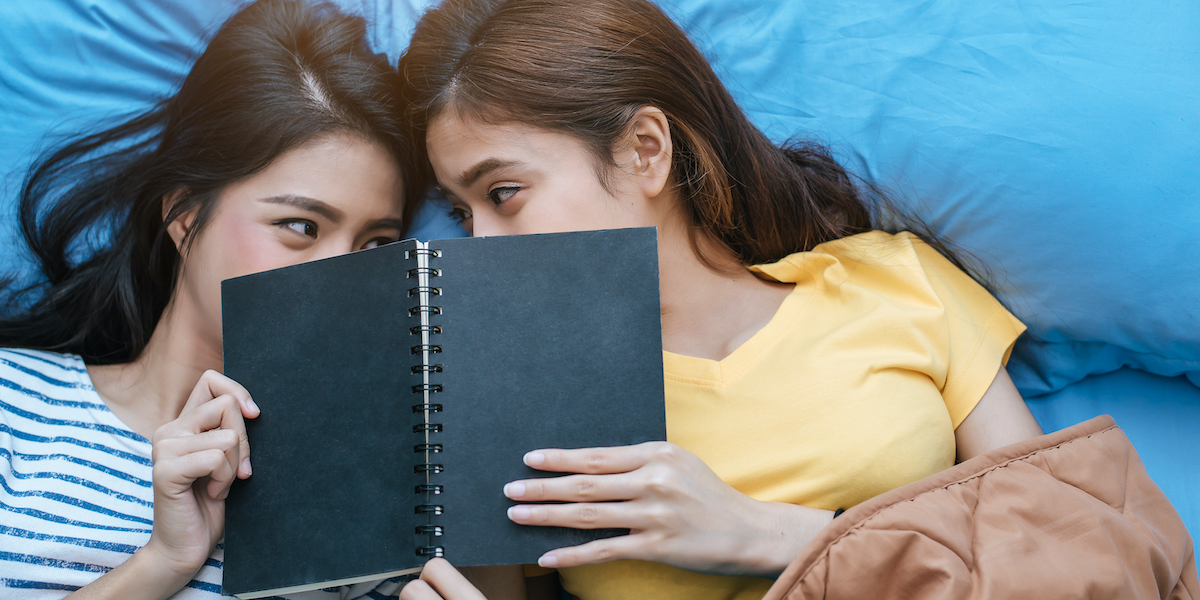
310 228
509 189
459 215
380 241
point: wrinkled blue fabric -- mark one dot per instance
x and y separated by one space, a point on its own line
1055 142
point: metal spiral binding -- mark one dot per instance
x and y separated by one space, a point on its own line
425 291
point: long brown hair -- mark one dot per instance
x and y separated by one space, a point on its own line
278 74
584 67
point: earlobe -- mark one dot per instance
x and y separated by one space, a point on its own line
179 227
650 136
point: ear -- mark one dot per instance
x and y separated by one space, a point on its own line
179 228
649 144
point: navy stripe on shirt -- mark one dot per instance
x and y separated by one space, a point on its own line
75 385
4 453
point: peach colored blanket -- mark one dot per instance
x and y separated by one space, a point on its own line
1071 514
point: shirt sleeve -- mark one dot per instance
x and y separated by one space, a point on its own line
980 332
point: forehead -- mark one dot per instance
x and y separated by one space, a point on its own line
455 140
336 169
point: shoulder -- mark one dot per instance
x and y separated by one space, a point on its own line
20 364
874 259
899 270
43 377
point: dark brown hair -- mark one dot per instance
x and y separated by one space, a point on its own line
277 75
584 67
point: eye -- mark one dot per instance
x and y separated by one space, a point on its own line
377 242
500 195
459 215
301 226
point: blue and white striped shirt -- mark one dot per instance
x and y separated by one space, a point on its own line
77 498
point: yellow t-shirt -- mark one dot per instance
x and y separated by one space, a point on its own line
852 389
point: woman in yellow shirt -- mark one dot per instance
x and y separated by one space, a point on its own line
810 361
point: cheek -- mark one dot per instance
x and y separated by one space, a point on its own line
239 248
588 206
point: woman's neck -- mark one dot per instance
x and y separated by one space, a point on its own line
706 312
152 390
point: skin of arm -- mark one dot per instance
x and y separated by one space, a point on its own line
1001 418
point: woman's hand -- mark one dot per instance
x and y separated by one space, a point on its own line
440 581
677 510
196 458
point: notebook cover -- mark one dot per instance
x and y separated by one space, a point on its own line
323 349
549 340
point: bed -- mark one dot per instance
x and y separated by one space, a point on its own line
1056 143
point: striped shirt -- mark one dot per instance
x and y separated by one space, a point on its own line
76 497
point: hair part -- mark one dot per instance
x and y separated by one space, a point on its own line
277 75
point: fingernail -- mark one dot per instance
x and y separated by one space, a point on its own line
246 466
224 494
250 403
548 561
535 459
518 513
514 490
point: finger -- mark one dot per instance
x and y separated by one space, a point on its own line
212 385
218 439
223 440
210 415
448 582
622 547
615 459
418 590
575 488
588 515
179 473
232 419
222 412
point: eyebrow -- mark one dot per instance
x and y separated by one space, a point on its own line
306 203
386 224
470 176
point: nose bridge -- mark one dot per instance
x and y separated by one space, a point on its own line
343 242
483 224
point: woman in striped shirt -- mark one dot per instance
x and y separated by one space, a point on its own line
119 438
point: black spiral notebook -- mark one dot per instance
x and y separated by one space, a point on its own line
401 386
